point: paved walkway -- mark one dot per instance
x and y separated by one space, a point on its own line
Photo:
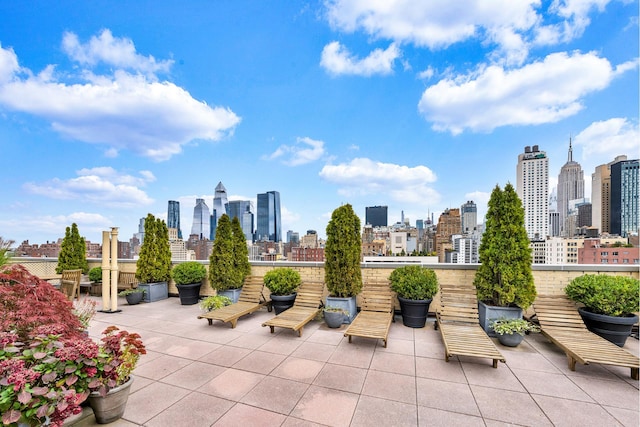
200 375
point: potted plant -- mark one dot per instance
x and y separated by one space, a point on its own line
283 284
504 281
226 274
95 277
334 316
342 274
214 302
188 277
73 251
415 287
153 268
118 356
609 304
133 295
511 332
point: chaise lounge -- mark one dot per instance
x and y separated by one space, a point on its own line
305 308
376 313
251 299
561 323
459 326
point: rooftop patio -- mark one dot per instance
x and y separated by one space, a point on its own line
200 375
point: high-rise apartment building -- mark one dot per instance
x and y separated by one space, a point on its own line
625 204
469 217
293 237
220 207
570 187
377 216
200 226
449 224
601 196
269 223
533 189
173 216
243 210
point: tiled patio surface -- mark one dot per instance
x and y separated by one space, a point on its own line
200 375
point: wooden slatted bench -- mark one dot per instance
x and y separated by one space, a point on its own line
376 313
561 323
305 308
251 299
459 326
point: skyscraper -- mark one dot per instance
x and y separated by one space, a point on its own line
173 217
200 226
601 196
625 204
469 216
220 207
532 176
570 187
269 225
376 216
243 210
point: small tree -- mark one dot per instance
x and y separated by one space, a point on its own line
73 251
154 264
342 273
223 274
504 277
240 250
5 248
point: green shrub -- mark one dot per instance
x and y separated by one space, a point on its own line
604 294
214 302
73 251
130 291
188 272
414 282
282 281
95 274
154 262
504 326
342 273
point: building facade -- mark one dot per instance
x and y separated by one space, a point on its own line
376 216
219 208
173 216
532 176
469 217
625 204
243 210
570 187
201 217
269 224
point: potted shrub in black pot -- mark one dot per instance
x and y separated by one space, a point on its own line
153 268
415 287
504 281
283 284
188 278
133 296
511 332
342 274
609 304
334 316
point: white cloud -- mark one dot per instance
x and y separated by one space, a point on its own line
363 176
55 225
99 186
541 92
114 51
122 111
609 138
337 59
305 151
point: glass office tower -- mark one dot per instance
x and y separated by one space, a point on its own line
201 219
173 216
269 225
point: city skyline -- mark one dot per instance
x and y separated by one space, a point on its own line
108 112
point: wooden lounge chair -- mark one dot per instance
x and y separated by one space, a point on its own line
126 280
376 313
70 283
305 308
561 323
458 322
251 299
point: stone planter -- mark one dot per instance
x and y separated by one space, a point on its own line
414 312
155 291
348 304
611 328
134 298
111 407
510 340
232 294
333 319
489 313
281 303
189 294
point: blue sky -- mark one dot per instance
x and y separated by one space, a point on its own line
108 109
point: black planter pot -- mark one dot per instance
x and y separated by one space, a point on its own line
189 294
414 312
333 319
510 340
134 298
281 303
611 328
